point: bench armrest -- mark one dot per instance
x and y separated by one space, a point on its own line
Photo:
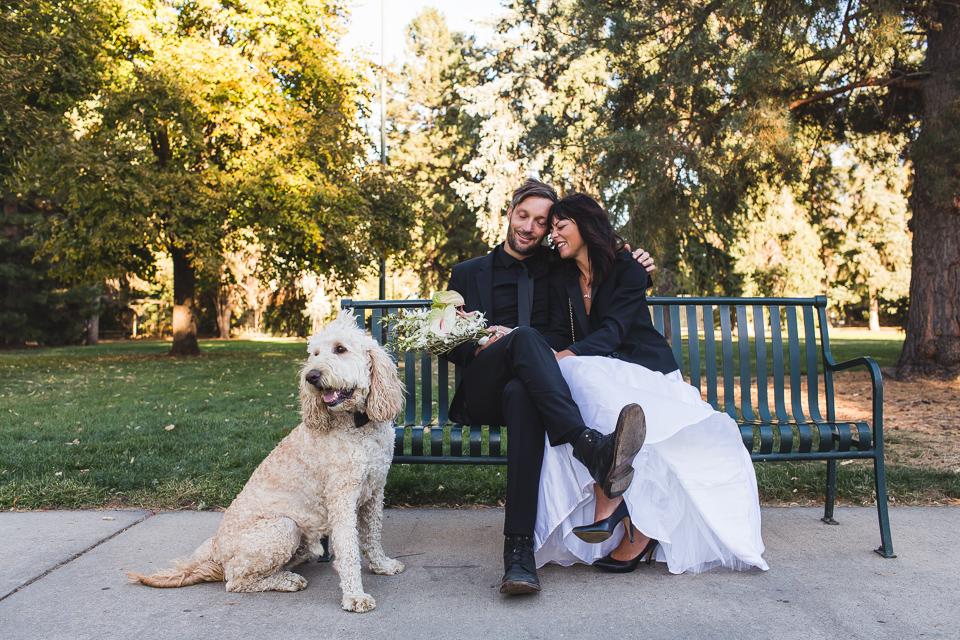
877 381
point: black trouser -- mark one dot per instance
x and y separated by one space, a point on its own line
516 382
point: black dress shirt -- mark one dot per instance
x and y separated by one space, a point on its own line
507 271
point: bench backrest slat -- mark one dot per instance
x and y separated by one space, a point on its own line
726 337
710 355
827 373
410 384
813 396
793 343
760 346
443 391
776 347
426 390
693 347
676 335
658 319
743 342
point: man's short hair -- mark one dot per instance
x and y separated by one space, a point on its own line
533 189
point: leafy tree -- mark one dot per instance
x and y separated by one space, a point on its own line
778 253
434 138
52 59
867 250
537 94
218 119
709 104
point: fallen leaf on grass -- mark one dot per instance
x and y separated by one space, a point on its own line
70 444
169 427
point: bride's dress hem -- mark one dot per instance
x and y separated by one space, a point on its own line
694 486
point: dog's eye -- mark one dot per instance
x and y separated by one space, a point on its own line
339 349
317 352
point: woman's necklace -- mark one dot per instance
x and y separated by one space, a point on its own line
584 286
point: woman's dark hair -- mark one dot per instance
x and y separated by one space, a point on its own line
595 228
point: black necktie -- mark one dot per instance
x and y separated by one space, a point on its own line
524 296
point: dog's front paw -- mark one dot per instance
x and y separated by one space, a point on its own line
358 602
388 567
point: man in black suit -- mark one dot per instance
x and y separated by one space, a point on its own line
513 379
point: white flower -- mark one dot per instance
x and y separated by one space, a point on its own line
441 320
447 297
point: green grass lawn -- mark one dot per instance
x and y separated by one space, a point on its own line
84 426
122 424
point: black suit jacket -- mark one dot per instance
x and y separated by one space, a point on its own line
473 280
619 323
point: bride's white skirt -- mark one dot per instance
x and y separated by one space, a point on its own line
694 488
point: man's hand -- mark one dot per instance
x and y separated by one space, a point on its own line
496 332
644 258
563 354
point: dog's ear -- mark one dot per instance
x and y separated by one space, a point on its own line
386 393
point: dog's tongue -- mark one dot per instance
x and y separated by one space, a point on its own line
329 396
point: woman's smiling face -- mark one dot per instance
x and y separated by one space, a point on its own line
566 238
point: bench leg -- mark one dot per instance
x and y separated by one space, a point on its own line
831 493
880 479
327 554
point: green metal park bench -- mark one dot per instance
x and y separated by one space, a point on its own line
765 369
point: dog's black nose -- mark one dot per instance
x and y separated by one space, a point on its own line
313 377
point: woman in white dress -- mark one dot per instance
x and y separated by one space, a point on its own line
693 501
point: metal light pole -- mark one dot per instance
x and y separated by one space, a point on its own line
383 131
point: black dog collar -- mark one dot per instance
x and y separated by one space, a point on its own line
360 420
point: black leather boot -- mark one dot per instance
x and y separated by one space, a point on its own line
519 567
609 459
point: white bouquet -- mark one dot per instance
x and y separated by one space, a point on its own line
438 329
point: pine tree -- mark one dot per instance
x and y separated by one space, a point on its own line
434 138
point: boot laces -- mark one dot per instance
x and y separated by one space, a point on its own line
515 549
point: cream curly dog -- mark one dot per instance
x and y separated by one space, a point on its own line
325 477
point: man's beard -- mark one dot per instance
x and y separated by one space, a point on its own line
528 251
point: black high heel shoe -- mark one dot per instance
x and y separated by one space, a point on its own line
607 562
603 529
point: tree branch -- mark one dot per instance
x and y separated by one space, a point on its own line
907 81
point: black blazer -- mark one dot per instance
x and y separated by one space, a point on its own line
619 323
473 280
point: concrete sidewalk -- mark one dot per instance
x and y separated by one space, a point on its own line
62 576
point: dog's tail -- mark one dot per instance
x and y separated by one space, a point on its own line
183 574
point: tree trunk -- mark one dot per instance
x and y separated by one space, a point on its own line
184 289
224 311
932 344
93 331
874 306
